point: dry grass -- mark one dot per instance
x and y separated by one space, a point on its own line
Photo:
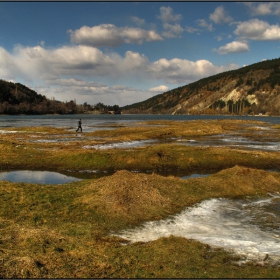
22 152
71 240
25 249
139 197
63 231
127 195
242 181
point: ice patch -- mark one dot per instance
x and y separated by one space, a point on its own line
7 131
262 128
128 144
217 222
267 146
54 140
235 139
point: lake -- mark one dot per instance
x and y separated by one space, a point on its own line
90 120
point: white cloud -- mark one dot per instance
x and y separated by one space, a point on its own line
88 75
112 36
86 61
172 30
87 91
132 62
192 29
81 86
167 15
264 8
75 60
8 69
159 89
256 29
184 71
233 47
220 16
137 20
204 24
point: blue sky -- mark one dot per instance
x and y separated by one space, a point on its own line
126 52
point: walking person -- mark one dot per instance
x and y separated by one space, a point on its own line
79 125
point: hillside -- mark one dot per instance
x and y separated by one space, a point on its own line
16 98
254 89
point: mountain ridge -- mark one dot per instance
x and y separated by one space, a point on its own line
252 89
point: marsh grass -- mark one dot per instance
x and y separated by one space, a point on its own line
65 231
154 157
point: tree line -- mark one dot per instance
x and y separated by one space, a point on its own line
102 108
16 98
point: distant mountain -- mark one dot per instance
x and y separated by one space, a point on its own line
254 89
16 98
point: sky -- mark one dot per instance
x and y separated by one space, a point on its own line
120 53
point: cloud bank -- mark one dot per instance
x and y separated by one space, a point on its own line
259 30
90 68
53 67
111 36
233 47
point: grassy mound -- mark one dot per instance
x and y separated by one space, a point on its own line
239 181
127 198
63 231
131 196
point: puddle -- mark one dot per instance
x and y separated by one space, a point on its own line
240 226
194 176
38 177
119 145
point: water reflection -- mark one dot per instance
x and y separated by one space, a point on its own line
38 177
103 119
194 176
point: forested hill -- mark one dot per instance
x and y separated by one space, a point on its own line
16 98
254 89
18 93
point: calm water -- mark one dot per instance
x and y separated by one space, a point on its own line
92 120
38 177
